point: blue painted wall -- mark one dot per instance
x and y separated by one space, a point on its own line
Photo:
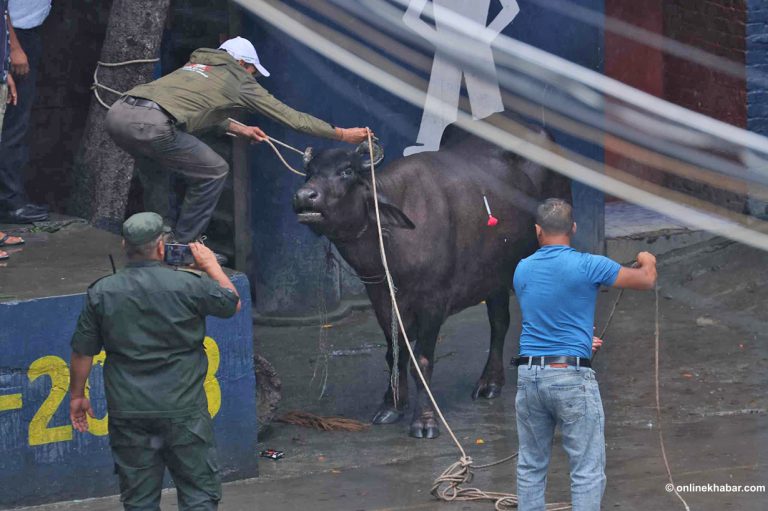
757 90
291 273
71 465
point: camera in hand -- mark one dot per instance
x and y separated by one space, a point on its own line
178 254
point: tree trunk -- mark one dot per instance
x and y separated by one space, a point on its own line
103 171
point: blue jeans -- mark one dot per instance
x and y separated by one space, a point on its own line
14 147
569 398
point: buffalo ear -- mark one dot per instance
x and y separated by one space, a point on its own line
391 215
365 153
308 155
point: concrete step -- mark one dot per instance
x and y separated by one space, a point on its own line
630 229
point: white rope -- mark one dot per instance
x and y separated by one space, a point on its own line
658 402
96 85
688 215
270 141
448 485
459 472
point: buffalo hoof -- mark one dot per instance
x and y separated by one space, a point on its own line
387 416
486 390
424 429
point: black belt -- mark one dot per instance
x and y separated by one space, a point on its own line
133 101
538 361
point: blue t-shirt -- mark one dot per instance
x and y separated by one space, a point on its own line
557 290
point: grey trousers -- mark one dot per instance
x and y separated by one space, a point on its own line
160 149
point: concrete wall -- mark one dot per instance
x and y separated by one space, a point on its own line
757 89
43 460
290 268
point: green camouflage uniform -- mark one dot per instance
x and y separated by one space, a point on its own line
150 320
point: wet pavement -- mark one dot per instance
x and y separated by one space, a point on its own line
713 391
59 257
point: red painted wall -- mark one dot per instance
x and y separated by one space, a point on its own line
716 26
635 64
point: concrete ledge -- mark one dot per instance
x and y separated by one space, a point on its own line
41 295
346 307
624 249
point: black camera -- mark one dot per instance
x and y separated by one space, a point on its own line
178 254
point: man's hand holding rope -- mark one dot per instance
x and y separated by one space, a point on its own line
252 132
353 135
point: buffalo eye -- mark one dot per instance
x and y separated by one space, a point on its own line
347 172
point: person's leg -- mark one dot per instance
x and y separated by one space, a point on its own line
14 149
3 99
582 425
3 103
136 447
535 431
155 181
140 131
204 172
191 459
146 134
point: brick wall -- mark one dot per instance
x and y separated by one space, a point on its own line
717 26
635 64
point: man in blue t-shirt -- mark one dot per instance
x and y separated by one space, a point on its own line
557 290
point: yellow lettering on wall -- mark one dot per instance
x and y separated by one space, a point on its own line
10 402
98 427
39 432
211 385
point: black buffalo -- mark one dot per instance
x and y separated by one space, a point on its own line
442 254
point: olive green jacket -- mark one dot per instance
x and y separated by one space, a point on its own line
212 87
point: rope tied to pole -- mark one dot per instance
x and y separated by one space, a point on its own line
97 85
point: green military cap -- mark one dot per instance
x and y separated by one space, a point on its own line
143 227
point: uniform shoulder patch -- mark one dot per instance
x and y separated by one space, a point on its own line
197 273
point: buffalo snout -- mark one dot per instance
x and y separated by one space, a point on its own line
305 204
305 197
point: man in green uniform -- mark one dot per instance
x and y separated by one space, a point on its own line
150 320
156 123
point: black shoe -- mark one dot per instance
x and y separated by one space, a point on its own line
23 215
38 207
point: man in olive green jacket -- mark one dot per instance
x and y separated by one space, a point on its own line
156 123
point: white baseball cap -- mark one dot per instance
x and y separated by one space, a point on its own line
242 49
